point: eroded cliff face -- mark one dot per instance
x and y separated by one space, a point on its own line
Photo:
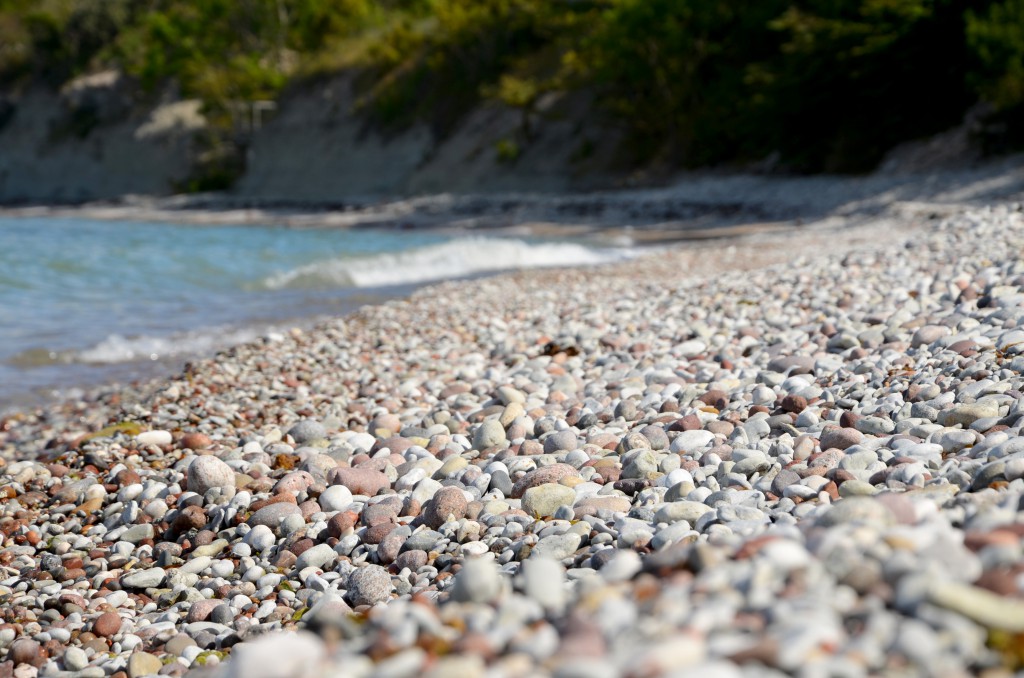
317 148
93 140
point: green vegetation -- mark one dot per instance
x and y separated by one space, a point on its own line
819 84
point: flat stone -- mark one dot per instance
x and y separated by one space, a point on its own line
155 437
317 556
543 579
691 441
144 579
178 644
272 515
689 511
966 414
540 476
508 395
750 461
980 605
307 431
840 438
137 533
423 540
285 653
557 546
365 481
865 510
928 334
195 441
591 505
143 664
643 465
783 479
560 441
260 537
26 652
209 550
75 659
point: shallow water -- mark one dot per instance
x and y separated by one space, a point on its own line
86 301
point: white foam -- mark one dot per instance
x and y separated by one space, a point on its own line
453 259
120 349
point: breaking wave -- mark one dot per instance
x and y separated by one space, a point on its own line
453 259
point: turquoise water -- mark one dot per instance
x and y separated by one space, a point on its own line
85 301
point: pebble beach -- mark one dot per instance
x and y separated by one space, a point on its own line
794 453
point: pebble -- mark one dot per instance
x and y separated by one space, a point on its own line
477 582
448 503
965 415
317 556
143 664
984 607
144 579
107 624
335 498
688 442
307 431
363 481
369 585
296 655
669 468
271 516
25 651
856 509
155 437
543 580
75 659
208 472
840 438
488 434
556 546
544 500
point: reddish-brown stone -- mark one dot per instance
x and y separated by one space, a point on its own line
540 476
190 518
340 523
794 403
450 501
202 609
301 546
107 624
195 441
26 651
377 533
276 499
359 480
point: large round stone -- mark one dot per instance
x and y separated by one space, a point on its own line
207 472
369 585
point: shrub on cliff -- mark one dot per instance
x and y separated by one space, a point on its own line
821 84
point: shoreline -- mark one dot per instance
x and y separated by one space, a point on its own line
665 465
696 205
762 242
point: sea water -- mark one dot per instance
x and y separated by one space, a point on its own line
85 301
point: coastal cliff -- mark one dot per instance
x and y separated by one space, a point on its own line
94 140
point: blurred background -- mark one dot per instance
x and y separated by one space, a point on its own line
321 99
